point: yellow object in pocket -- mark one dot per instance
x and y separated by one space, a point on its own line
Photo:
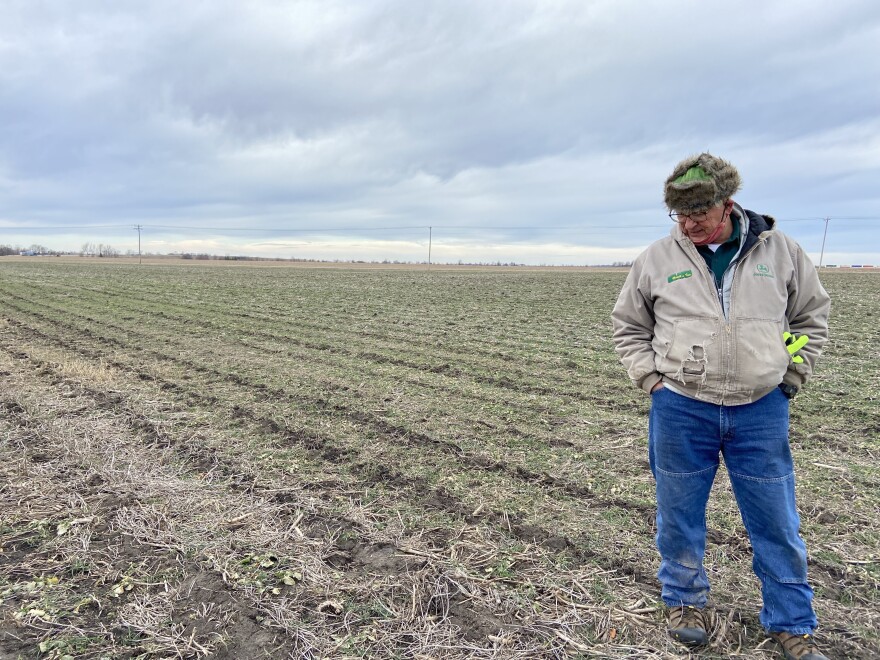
794 344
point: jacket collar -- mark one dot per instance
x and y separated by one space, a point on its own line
758 225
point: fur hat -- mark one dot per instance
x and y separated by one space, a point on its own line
700 182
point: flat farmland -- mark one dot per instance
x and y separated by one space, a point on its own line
355 462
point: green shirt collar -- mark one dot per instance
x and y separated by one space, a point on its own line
737 232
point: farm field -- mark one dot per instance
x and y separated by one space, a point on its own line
379 463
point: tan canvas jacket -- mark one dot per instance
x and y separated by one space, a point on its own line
725 347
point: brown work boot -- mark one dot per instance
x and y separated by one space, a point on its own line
798 647
687 625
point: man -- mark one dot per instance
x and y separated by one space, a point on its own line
702 324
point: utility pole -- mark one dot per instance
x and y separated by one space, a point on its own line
430 229
138 228
822 254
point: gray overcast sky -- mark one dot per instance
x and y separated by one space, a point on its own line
536 132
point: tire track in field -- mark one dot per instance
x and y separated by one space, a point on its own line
366 472
334 452
402 434
504 382
511 430
285 319
405 346
380 427
282 315
322 348
403 341
344 313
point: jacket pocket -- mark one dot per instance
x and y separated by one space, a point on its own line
760 357
691 354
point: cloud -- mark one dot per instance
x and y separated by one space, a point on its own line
525 115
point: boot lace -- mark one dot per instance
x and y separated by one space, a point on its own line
797 645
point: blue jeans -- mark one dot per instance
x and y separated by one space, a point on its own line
685 438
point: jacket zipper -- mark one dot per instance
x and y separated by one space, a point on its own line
697 259
727 327
716 294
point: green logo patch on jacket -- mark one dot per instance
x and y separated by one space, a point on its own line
762 270
679 276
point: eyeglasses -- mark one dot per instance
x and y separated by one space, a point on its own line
693 217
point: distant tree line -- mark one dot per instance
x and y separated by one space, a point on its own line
87 250
98 250
35 249
90 249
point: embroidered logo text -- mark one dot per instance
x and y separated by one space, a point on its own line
679 276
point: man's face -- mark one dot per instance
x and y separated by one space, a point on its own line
699 226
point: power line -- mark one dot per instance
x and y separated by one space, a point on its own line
285 229
581 227
38 227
